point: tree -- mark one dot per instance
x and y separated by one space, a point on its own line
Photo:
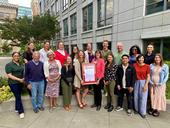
23 29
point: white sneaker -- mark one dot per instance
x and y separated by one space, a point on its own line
21 116
119 109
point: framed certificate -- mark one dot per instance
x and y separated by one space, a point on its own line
89 73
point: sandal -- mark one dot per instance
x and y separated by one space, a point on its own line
81 106
66 108
84 104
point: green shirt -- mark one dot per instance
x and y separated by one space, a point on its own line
105 54
15 70
118 57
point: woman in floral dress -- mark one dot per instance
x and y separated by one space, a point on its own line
52 71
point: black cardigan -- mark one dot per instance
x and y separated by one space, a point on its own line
67 73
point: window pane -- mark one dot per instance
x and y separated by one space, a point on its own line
73 19
65 4
152 1
168 4
154 6
109 8
85 19
166 48
100 45
156 43
66 47
101 12
65 26
90 16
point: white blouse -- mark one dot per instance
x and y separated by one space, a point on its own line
46 67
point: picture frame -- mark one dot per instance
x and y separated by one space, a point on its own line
89 73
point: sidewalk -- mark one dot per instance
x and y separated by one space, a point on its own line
80 118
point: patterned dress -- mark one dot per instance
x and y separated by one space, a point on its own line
52 89
158 98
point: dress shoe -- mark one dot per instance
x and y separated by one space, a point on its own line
107 106
98 108
110 108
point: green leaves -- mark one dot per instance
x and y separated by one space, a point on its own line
23 29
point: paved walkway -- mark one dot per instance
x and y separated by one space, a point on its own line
78 118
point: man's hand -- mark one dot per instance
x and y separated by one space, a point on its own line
130 89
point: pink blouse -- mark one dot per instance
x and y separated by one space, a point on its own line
100 67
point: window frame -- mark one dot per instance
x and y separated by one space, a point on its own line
73 18
88 26
65 31
164 6
103 19
65 4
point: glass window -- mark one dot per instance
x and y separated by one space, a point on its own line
66 47
72 1
53 9
166 48
65 4
156 43
153 6
88 17
105 11
168 4
73 21
57 6
109 11
100 45
65 26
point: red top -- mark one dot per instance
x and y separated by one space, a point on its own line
61 57
100 67
142 71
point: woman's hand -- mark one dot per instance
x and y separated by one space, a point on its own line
145 88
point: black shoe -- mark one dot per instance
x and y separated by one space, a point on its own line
107 106
110 108
143 116
41 108
93 106
150 111
36 110
98 108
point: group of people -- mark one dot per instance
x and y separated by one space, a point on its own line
141 77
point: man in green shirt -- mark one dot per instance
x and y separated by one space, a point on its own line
119 53
105 51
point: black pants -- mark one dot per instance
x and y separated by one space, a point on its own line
98 93
128 96
17 89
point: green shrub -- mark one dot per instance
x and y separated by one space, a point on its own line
5 93
3 81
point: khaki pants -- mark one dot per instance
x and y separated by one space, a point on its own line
111 97
67 93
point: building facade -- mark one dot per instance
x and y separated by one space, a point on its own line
24 11
4 1
8 11
35 8
131 22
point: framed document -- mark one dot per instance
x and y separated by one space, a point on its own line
89 73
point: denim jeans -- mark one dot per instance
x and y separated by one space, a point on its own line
17 89
37 93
